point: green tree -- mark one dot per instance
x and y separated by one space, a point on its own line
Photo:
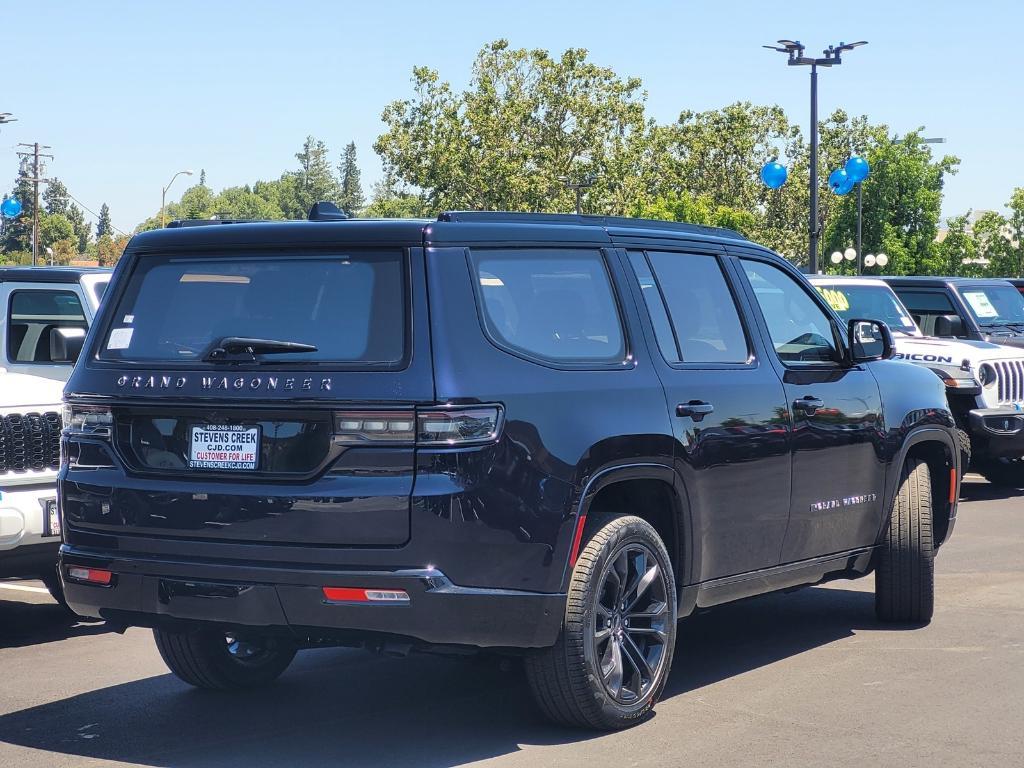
1015 234
682 206
243 203
352 200
991 238
313 182
18 232
81 228
103 226
56 198
958 251
197 202
528 124
54 227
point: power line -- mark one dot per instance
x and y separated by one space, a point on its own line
90 210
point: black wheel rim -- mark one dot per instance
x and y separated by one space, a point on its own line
630 623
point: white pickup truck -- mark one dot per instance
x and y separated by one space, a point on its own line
46 312
984 382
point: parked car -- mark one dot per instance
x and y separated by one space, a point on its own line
984 381
30 412
47 311
542 435
964 307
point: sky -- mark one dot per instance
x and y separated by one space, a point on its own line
128 93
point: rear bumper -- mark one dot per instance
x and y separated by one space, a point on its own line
1001 431
161 592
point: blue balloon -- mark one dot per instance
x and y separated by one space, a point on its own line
10 207
857 168
774 174
836 179
845 187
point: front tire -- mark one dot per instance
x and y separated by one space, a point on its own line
905 577
612 658
222 660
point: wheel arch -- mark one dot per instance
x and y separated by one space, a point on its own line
618 488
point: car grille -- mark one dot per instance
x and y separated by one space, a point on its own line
1011 380
29 441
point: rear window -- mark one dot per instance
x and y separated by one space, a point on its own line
350 306
33 316
554 305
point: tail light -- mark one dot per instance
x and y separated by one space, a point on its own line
432 426
357 595
97 576
88 420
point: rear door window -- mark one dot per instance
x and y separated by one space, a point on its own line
693 311
33 316
350 306
925 306
554 305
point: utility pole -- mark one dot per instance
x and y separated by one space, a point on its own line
36 179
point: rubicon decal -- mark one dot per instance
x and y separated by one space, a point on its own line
923 358
226 383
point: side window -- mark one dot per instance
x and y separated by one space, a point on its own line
925 306
555 305
801 331
33 315
694 314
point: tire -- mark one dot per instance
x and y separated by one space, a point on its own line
568 680
209 659
905 577
964 441
1006 473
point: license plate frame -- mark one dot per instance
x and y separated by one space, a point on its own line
224 447
51 517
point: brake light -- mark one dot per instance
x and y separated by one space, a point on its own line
356 595
90 575
432 426
458 426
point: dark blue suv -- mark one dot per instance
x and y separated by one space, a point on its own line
548 436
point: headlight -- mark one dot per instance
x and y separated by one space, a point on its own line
988 376
88 419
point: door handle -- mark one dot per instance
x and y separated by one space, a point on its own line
695 409
808 404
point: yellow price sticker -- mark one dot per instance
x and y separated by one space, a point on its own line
836 299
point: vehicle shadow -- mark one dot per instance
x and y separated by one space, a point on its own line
23 624
976 489
347 708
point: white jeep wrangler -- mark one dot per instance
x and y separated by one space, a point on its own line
984 382
45 314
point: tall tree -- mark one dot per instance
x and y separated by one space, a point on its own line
103 227
1015 235
56 197
81 227
18 232
202 177
352 200
528 126
314 181
958 251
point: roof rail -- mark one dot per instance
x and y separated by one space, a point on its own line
326 211
585 220
205 222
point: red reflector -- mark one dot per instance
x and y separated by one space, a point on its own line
577 539
91 575
355 595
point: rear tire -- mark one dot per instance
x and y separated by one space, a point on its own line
905 577
612 658
222 660
1006 473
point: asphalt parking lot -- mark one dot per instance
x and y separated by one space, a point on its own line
805 679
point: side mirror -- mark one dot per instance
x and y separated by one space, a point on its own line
66 344
868 340
950 326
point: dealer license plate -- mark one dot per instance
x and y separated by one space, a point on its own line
224 446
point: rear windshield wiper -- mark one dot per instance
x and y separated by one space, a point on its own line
229 348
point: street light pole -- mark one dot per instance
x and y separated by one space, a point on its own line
860 218
832 56
163 196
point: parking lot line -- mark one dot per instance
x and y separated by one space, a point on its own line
25 588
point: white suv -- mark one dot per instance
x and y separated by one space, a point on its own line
30 425
984 381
